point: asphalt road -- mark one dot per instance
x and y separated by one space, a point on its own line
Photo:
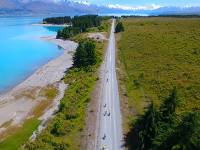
110 125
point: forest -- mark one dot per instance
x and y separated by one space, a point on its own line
58 20
80 24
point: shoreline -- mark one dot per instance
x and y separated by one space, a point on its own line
50 25
17 104
49 113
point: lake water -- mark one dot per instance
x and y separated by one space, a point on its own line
21 50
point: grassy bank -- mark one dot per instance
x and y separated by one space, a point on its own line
155 55
15 136
19 135
66 130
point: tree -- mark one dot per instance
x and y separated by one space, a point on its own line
147 127
59 34
186 135
119 27
86 21
163 129
91 53
85 54
167 120
80 56
170 104
68 32
79 24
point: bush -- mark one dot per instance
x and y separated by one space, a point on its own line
58 127
119 27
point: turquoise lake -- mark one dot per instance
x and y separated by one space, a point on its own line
21 50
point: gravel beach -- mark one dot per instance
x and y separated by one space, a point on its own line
16 105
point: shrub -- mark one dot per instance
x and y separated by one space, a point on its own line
58 127
119 27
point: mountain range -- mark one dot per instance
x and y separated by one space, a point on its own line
39 7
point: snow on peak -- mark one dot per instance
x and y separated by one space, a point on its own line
125 7
84 2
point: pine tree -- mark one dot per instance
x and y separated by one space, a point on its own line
80 56
170 104
85 54
186 135
91 53
119 27
59 34
148 128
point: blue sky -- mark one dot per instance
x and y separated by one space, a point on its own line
149 2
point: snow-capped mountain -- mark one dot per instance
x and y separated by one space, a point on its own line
75 7
44 7
177 10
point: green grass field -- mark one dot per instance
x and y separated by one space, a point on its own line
19 135
157 54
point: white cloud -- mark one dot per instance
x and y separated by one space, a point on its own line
125 7
85 2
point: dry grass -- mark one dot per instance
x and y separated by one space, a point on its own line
40 108
49 92
30 93
47 95
6 124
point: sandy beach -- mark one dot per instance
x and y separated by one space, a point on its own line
17 104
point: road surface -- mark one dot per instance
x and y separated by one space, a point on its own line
110 126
